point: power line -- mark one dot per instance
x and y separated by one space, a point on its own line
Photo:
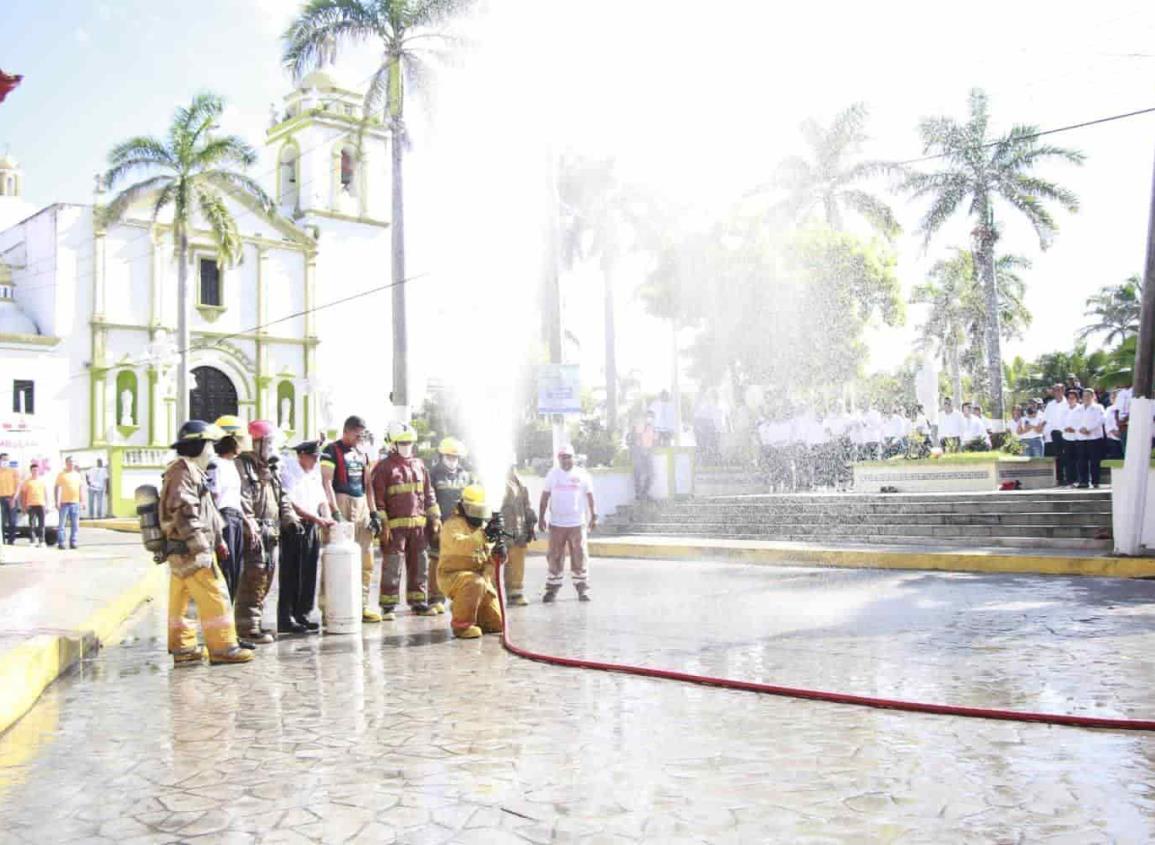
1031 136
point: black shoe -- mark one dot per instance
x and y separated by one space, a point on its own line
584 595
311 627
549 597
1082 486
291 628
61 548
73 546
246 644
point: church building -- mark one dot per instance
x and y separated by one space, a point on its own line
88 313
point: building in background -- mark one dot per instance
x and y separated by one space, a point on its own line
88 313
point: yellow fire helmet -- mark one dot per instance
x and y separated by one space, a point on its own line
473 501
452 446
230 424
399 432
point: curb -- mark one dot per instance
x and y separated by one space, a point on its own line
946 561
31 667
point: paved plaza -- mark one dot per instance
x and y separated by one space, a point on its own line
406 735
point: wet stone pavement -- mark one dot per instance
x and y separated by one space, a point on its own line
405 735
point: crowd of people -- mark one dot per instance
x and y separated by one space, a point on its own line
234 515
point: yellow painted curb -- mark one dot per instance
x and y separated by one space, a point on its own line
946 561
27 670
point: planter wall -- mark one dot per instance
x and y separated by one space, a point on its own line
931 476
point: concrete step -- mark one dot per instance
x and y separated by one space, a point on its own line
958 498
1030 543
694 510
844 530
1098 517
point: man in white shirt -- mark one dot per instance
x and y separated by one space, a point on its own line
950 424
568 498
1054 418
1029 429
1089 422
664 418
894 431
974 433
1113 445
871 433
225 483
301 549
97 479
1071 436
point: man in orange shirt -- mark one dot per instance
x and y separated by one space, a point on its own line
68 486
33 498
9 484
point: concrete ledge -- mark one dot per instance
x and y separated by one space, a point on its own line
27 670
805 554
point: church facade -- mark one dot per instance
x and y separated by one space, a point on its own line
88 313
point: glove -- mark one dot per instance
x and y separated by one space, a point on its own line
338 516
435 526
375 523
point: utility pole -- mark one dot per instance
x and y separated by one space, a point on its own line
1131 503
551 293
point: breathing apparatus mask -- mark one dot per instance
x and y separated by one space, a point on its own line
451 461
405 450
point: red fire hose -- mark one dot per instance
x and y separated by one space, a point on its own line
813 695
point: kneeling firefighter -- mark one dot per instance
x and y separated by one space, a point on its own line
267 512
466 568
191 529
449 478
406 507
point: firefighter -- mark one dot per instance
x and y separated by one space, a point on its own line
407 508
267 512
465 570
520 524
192 530
449 478
345 477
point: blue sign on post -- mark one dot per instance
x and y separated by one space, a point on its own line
559 389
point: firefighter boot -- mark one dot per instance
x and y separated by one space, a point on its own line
470 633
235 654
188 657
550 594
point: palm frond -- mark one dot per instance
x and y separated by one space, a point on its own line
221 223
115 210
137 153
224 151
240 187
876 212
324 22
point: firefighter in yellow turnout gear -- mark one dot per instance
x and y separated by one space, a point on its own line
465 569
192 529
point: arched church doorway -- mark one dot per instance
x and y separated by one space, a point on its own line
214 395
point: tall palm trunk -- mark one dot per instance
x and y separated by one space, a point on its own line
184 306
986 237
611 351
397 226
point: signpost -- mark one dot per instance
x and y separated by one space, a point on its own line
559 389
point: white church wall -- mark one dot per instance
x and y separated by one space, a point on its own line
284 273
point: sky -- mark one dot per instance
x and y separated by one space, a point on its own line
699 100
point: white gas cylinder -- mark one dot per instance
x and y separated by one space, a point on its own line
341 581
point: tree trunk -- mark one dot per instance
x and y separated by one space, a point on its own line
986 256
611 351
400 396
183 337
955 371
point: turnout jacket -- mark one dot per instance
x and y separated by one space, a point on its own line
448 484
403 491
188 515
263 500
516 511
464 548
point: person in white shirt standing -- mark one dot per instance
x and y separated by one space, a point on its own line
1113 445
950 427
97 478
568 498
871 449
1071 436
895 429
1029 428
301 550
1054 419
225 484
1089 423
974 433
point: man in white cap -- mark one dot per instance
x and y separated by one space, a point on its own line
568 498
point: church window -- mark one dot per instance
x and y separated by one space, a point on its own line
347 170
210 282
23 396
287 181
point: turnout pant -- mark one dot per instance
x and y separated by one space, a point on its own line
36 522
207 588
256 579
436 596
356 510
297 580
234 539
70 517
474 600
560 539
408 544
8 518
515 572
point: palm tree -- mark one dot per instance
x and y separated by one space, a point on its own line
190 171
828 180
406 29
1115 309
979 170
957 315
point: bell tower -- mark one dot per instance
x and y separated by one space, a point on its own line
330 164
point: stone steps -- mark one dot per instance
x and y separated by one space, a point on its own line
893 509
1098 517
849 530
